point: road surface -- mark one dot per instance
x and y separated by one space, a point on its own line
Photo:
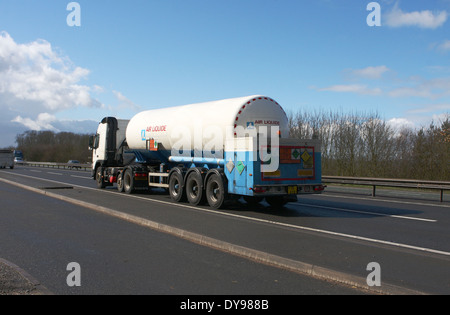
146 244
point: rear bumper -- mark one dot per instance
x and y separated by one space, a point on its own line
286 190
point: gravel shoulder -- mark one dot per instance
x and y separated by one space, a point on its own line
15 281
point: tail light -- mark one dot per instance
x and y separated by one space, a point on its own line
319 188
259 190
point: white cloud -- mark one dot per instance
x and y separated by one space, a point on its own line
414 86
43 122
400 123
35 72
438 69
444 46
352 88
124 102
440 118
36 82
370 72
410 92
423 19
429 108
98 89
432 89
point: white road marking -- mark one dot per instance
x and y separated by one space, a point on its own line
364 212
385 200
293 226
84 177
244 252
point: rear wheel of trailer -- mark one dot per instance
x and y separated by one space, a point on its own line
194 188
215 191
176 187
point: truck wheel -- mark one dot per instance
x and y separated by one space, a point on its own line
120 186
128 181
194 188
215 191
176 187
99 178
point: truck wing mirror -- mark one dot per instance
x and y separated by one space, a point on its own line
93 142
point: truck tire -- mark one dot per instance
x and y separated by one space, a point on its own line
176 187
120 186
99 178
194 188
215 191
128 181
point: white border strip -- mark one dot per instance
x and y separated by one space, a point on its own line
244 252
298 227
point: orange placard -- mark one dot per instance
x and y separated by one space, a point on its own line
152 145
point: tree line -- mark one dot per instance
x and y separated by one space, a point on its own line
353 144
48 146
364 145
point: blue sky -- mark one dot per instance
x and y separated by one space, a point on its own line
129 56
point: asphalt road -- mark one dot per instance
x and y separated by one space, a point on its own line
334 232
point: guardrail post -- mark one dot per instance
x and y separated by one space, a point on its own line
442 195
373 190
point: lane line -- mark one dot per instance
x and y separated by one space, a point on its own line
364 212
237 250
332 195
84 177
270 222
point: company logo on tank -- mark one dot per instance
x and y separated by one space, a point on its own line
157 128
267 122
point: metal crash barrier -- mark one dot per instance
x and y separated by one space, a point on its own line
388 182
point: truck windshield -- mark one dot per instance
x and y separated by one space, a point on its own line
18 154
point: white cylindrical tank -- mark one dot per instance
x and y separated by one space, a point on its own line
202 125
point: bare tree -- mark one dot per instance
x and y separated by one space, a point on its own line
358 144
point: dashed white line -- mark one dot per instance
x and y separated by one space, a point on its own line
84 177
376 199
293 226
365 212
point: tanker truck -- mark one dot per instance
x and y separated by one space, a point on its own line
208 153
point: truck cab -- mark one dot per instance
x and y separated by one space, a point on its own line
108 144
